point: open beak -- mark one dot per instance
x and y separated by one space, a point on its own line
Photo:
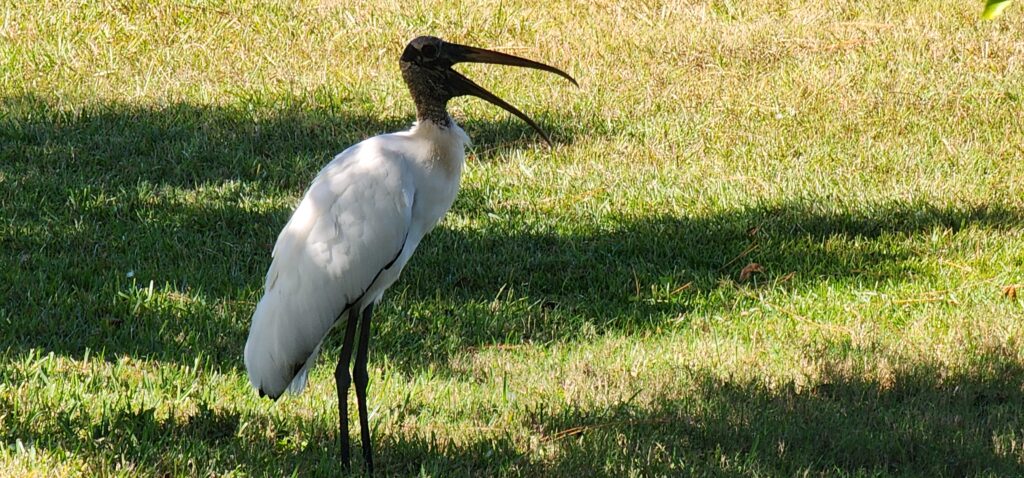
464 86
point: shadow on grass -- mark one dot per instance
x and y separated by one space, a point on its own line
101 201
924 420
85 207
95 214
639 274
281 141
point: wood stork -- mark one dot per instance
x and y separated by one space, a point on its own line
357 226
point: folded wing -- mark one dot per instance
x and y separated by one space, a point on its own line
351 224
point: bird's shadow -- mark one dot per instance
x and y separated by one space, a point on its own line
919 419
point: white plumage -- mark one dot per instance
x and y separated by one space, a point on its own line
347 242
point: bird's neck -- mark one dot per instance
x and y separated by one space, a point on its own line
429 93
434 112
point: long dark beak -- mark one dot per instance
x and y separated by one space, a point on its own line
464 86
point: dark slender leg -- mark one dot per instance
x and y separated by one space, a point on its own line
361 378
342 380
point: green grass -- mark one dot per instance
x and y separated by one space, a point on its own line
580 311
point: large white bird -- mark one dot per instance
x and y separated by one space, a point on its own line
357 226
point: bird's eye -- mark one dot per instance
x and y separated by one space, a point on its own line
429 51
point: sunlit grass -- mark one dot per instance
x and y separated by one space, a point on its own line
582 310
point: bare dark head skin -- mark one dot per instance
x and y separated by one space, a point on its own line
427 69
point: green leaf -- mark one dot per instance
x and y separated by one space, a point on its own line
993 8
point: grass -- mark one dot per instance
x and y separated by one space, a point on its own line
581 310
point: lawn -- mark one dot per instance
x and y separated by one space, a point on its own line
583 310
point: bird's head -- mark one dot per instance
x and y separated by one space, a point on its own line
427 69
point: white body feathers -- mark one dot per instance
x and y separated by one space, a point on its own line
347 241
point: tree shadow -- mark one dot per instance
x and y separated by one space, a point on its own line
282 141
279 140
96 215
923 419
91 199
96 207
639 274
107 254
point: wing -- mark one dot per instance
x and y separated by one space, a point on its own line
351 224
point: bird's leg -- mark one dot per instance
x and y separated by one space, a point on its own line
361 378
343 380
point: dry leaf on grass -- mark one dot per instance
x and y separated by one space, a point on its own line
749 270
1010 291
786 278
